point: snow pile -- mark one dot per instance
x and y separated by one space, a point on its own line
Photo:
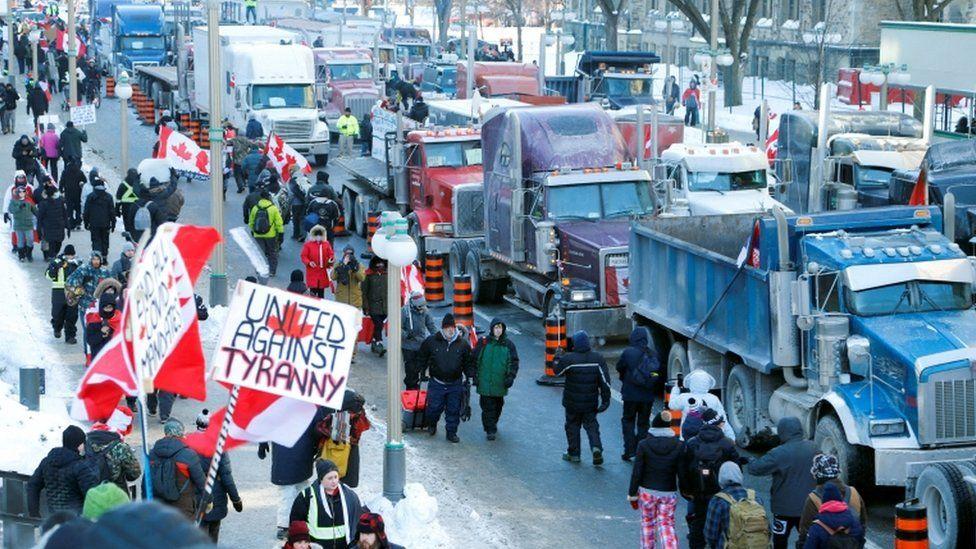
210 328
28 435
412 522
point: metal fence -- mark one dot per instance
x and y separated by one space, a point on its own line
18 529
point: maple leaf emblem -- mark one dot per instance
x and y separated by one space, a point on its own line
181 151
290 323
203 162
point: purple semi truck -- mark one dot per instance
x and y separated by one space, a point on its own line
559 198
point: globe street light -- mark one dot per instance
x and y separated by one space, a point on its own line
882 75
123 89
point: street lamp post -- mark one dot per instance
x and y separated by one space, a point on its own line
393 244
714 57
882 75
11 39
35 36
72 51
123 89
218 275
672 21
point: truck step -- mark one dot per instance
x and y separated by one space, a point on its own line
523 305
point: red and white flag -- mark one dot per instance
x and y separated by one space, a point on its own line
62 42
108 379
283 157
772 131
920 192
258 417
182 153
411 281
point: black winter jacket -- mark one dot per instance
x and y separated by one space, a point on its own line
72 181
37 101
52 218
223 488
71 140
294 465
631 358
657 464
25 156
66 476
587 388
710 441
789 465
99 209
446 360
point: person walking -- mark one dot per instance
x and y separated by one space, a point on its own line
63 316
9 115
254 130
835 525
100 328
266 227
789 465
671 94
296 283
112 459
654 483
37 103
366 134
447 358
22 51
83 283
691 100
127 198
330 508
826 472
177 476
72 181
638 370
416 326
50 149
251 167
98 214
348 131
374 301
298 186
347 275
52 222
20 215
25 155
63 475
735 518
251 13
586 393
224 487
318 258
121 267
496 365
322 209
71 140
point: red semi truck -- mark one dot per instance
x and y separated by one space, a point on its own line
519 81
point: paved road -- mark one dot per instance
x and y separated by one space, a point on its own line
518 482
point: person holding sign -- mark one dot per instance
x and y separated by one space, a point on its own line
449 360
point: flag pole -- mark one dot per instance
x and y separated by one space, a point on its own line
143 385
218 452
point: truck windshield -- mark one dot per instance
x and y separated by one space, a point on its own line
453 155
722 181
142 43
916 296
416 51
872 178
358 71
281 96
628 87
599 200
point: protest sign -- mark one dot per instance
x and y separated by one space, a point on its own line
83 115
287 344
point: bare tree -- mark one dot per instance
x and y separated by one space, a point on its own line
515 8
737 22
824 34
922 10
443 8
611 20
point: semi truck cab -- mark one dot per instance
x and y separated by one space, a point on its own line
136 37
344 78
618 78
860 167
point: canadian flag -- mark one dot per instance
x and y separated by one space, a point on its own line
411 281
258 417
79 43
182 153
772 131
112 373
283 157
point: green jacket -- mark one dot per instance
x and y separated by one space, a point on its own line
497 364
22 215
277 224
348 125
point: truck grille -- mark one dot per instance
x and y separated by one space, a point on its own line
955 410
361 104
616 278
469 205
299 130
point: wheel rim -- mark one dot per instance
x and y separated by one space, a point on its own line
829 446
457 264
472 271
737 405
675 367
938 519
361 219
347 208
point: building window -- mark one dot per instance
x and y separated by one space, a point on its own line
819 11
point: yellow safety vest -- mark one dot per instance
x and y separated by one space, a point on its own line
129 196
324 533
250 3
58 283
348 125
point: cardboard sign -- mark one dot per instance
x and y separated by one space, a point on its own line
83 115
157 282
287 344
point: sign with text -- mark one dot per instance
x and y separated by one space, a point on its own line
83 115
287 344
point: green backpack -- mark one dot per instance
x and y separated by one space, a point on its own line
748 527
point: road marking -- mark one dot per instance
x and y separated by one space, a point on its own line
487 318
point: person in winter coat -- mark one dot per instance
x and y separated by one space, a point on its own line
8 115
63 316
240 146
99 331
120 269
25 156
374 301
366 133
37 103
267 239
157 200
416 326
717 518
99 216
190 477
127 198
322 187
71 183
638 370
331 509
20 214
671 93
318 257
496 365
254 129
347 275
323 210
22 52
691 100
789 465
114 460
52 222
654 482
298 184
826 472
448 358
224 487
63 474
81 285
419 110
697 398
834 518
298 536
585 394
296 284
704 454
371 533
251 166
50 150
347 425
71 140
291 468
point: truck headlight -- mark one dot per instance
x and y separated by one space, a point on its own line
445 228
582 295
887 427
321 129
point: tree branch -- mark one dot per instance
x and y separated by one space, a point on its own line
693 14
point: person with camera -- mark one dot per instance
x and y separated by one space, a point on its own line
63 315
348 274
98 333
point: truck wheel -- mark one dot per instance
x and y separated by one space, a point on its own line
457 257
321 160
949 502
362 218
740 395
830 439
677 360
349 210
417 237
479 287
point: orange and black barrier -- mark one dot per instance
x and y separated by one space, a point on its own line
109 87
463 301
675 414
372 225
434 278
340 226
911 525
555 340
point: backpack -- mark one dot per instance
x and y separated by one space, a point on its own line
142 221
164 474
644 373
99 461
262 221
691 102
704 471
748 526
840 538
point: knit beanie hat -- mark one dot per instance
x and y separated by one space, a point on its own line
825 467
298 531
831 493
661 420
102 499
203 420
372 523
448 321
72 437
324 467
297 276
711 417
68 250
173 428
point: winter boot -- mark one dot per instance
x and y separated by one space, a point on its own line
432 429
21 254
57 334
571 458
380 349
30 254
597 456
71 340
452 437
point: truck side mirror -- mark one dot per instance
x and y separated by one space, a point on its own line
859 355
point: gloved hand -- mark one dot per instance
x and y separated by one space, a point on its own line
238 505
6 218
603 407
262 450
509 382
466 413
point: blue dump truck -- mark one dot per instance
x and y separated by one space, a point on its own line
860 324
134 37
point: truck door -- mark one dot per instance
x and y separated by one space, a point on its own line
415 162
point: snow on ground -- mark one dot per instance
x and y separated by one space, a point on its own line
28 436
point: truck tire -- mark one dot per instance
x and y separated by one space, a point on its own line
678 360
457 257
418 238
949 501
321 160
479 288
362 218
349 210
830 439
740 396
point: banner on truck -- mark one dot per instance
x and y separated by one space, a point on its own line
287 344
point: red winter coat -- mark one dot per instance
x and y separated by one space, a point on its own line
321 254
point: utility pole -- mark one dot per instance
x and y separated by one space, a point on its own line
11 38
713 23
72 51
218 275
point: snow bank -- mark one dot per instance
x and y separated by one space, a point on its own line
412 522
28 436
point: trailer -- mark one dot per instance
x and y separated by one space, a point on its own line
161 84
